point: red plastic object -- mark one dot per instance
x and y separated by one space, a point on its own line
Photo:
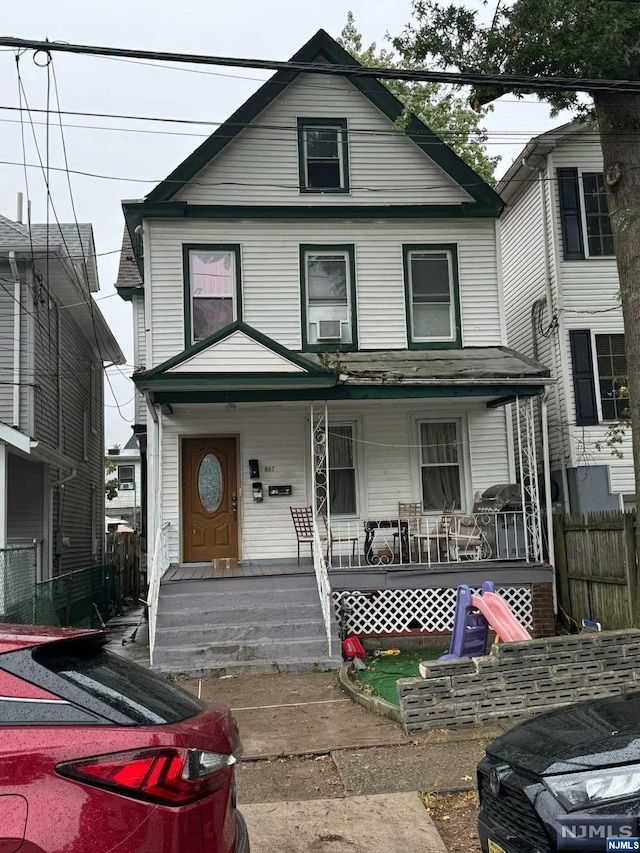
352 648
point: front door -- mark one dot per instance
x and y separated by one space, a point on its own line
209 499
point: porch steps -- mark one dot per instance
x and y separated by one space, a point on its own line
238 625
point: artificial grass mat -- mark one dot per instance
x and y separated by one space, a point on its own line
382 673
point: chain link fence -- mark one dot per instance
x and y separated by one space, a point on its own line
18 571
84 598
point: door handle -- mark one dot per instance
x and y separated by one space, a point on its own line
234 504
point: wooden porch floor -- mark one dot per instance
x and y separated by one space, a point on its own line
246 569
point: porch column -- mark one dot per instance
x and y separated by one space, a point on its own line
152 481
4 494
320 461
546 465
528 462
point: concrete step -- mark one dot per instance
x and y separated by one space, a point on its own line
261 632
254 667
204 656
172 615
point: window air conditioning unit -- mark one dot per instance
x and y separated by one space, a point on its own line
329 330
124 486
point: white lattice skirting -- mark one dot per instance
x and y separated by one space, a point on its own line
431 611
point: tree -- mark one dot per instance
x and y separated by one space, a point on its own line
594 39
442 111
111 485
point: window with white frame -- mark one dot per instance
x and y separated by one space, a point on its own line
212 275
597 224
431 294
440 464
328 287
343 481
126 477
323 155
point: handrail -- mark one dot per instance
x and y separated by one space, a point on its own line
322 579
159 564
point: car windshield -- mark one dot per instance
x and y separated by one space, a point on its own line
142 696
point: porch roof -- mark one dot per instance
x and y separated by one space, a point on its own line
204 374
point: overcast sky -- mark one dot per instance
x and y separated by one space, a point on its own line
274 30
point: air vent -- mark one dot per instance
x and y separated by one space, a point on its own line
124 486
329 330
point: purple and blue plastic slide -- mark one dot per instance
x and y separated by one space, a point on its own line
470 628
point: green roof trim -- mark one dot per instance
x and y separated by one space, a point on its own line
311 368
128 292
135 212
191 396
322 46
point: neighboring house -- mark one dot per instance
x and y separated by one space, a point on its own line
126 504
317 299
55 343
563 308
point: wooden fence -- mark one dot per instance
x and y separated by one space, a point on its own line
122 551
597 567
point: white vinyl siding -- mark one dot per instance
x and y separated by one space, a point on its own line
278 436
271 276
139 349
380 158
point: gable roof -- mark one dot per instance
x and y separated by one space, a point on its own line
129 279
301 364
322 47
521 172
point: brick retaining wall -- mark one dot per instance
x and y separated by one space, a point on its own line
521 679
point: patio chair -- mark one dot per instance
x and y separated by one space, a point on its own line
411 512
303 523
458 543
439 534
331 540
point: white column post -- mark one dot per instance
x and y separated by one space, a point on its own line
4 493
523 493
546 463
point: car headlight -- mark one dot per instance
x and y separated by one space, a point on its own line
580 790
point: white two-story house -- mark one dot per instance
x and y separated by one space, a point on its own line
563 308
317 301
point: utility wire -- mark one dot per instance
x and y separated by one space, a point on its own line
511 81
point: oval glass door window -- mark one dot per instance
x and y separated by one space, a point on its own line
210 482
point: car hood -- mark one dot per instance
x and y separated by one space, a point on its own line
596 733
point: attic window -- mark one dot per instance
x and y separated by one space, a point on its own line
323 155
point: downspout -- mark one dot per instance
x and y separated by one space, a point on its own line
16 339
547 500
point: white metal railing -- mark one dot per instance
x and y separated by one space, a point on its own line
426 541
159 565
322 579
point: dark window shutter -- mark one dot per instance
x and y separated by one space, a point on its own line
570 214
583 384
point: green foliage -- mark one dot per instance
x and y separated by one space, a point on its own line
111 488
568 38
439 108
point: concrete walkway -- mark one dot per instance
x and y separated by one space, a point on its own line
320 773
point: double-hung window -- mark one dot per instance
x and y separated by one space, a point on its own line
212 289
328 297
584 215
596 215
126 477
612 375
431 287
343 497
323 155
440 464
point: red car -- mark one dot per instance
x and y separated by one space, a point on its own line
98 754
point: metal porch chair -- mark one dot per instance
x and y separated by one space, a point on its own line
303 524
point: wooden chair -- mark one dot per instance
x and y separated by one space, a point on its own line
303 524
440 534
331 540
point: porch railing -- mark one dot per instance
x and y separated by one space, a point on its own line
159 565
426 541
322 579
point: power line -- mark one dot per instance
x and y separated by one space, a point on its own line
511 81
